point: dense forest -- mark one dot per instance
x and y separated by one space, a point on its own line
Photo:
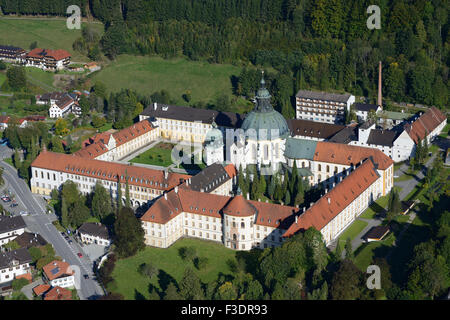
319 44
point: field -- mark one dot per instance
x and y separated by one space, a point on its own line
150 74
49 33
367 251
130 283
159 155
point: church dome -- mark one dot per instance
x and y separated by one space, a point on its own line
239 207
214 136
263 118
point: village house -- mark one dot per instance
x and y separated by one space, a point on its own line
10 228
59 273
47 59
15 264
94 233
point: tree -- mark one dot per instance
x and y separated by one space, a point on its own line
188 253
254 291
127 192
394 205
61 127
129 235
57 145
190 286
338 251
64 213
348 249
171 292
148 270
35 253
18 284
346 282
226 292
98 121
101 201
17 78
78 214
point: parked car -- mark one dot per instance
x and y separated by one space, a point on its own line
70 241
86 276
79 255
6 199
23 213
13 205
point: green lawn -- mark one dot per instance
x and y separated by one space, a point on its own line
365 253
351 232
377 207
171 266
41 78
158 155
49 34
150 74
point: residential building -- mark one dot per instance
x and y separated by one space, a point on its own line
58 293
11 54
14 264
323 106
47 59
6 120
94 233
10 228
362 110
59 274
28 240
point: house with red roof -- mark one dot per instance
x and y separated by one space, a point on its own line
59 273
47 59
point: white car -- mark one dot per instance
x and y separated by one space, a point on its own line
23 213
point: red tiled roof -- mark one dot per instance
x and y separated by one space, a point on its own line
56 269
138 176
4 119
213 205
96 145
330 205
40 289
239 207
132 132
231 170
347 154
55 54
425 124
58 293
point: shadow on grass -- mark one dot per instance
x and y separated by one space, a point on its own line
164 279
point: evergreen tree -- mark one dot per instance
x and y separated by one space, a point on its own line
127 192
129 235
101 203
119 195
64 213
171 292
348 249
191 286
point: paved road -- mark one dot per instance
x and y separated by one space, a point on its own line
40 222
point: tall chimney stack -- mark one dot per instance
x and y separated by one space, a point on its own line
380 102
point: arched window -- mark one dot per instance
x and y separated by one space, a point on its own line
320 167
234 224
242 225
303 164
234 236
328 168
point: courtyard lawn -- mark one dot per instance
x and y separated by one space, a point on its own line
47 32
150 74
352 231
130 283
159 155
